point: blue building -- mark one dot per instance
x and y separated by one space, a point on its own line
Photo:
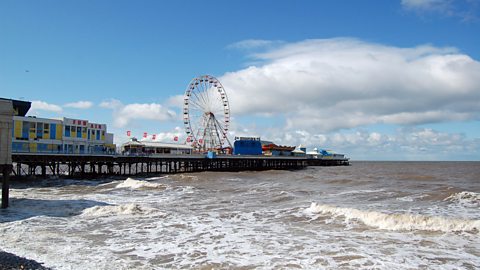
247 146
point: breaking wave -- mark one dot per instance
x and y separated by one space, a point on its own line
465 198
398 222
114 210
138 184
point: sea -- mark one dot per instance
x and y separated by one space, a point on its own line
370 215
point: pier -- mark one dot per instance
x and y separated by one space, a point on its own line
93 166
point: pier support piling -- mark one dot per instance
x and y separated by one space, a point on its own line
5 184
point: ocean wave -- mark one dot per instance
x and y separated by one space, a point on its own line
398 222
465 198
138 184
114 210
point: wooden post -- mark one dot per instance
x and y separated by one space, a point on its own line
44 171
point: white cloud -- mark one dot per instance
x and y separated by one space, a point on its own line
38 105
466 10
425 4
176 101
79 105
169 136
125 114
254 44
401 144
332 84
111 104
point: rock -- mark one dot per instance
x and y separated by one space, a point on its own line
9 261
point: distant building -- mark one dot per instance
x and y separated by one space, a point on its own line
247 146
271 149
324 154
135 147
67 136
300 151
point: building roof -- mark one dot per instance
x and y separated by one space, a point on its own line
20 107
165 145
133 143
274 147
298 151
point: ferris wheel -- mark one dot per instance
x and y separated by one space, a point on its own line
206 114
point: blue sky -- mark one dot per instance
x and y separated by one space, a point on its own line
381 80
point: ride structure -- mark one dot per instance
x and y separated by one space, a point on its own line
206 115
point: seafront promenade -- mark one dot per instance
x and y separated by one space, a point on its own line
91 166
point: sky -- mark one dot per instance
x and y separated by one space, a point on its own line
375 80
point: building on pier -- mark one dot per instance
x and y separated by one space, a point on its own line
300 151
271 149
69 136
151 148
251 146
324 154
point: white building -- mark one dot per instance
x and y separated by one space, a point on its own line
135 147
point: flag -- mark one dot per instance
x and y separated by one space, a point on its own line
175 138
129 133
200 141
154 136
145 134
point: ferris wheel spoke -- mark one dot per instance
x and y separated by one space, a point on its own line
205 94
196 105
200 98
199 101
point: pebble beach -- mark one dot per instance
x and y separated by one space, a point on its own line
11 261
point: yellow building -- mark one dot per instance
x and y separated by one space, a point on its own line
31 134
71 136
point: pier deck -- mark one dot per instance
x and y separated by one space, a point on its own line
90 166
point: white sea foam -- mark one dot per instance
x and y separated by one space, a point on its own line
412 198
398 222
113 210
465 198
138 184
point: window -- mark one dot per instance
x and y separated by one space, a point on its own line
46 126
67 131
72 129
25 130
33 127
39 131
